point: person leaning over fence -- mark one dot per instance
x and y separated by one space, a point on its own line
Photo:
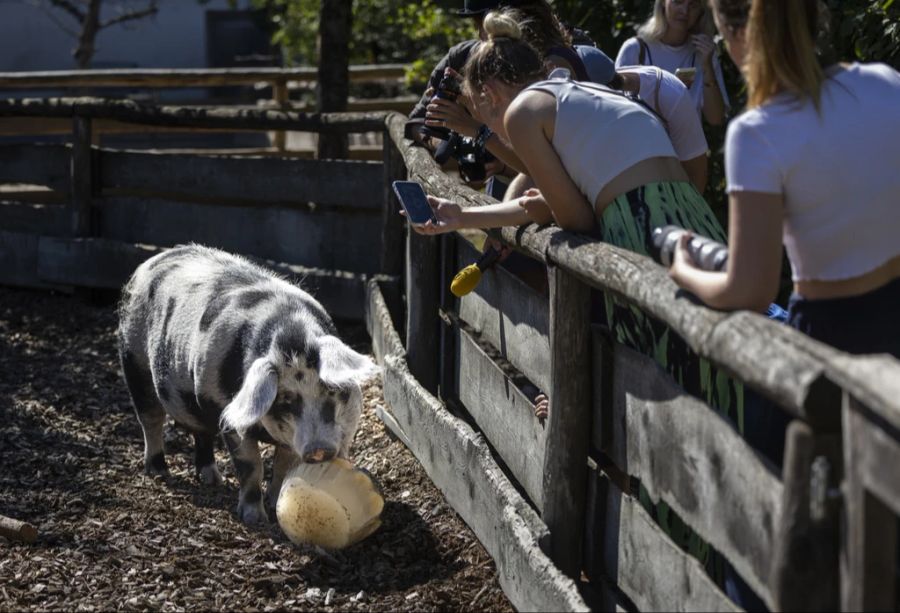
595 155
679 36
812 163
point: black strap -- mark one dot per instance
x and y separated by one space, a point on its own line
645 52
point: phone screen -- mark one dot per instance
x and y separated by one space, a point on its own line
414 201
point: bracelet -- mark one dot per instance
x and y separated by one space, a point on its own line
482 136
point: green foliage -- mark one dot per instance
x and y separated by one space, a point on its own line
866 30
384 31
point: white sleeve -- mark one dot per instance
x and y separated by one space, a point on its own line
717 68
751 162
685 127
629 53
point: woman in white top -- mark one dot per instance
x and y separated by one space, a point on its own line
812 163
667 95
679 35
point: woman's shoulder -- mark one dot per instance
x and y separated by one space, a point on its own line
874 72
628 52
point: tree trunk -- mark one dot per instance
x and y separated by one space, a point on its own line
89 28
335 25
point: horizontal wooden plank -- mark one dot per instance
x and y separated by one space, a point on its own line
385 340
322 238
90 262
645 564
509 315
19 260
688 456
186 77
49 220
36 165
105 263
230 117
778 361
263 180
504 415
459 462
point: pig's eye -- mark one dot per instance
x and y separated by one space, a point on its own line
328 411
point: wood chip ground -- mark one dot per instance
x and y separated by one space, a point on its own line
112 538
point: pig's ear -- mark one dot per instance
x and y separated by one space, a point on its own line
339 365
254 398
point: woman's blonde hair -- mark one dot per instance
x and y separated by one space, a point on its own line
655 27
540 26
505 55
781 47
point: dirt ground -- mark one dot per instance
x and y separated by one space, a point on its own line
112 538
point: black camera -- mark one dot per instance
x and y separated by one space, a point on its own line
470 158
447 89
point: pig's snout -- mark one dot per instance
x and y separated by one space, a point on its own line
318 452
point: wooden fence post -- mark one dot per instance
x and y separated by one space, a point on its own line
569 421
422 301
280 97
869 553
81 177
805 569
392 223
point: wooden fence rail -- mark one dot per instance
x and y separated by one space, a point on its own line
187 77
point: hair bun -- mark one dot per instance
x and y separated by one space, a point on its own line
501 25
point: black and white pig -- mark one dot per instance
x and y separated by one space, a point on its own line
221 344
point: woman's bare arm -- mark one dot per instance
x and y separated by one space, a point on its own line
754 257
529 124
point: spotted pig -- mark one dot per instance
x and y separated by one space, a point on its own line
225 346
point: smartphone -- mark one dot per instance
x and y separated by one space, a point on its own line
686 74
414 201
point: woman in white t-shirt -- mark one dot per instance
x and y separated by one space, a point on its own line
812 163
679 36
667 95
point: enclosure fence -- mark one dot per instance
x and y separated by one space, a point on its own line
556 504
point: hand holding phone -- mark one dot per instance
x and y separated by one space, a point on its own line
415 202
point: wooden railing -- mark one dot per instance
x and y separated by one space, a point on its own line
282 82
618 419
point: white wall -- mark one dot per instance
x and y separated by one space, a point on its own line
173 38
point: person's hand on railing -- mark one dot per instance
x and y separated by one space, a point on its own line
447 213
534 204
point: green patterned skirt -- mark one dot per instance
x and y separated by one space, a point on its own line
628 222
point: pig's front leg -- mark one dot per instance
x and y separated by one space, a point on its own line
248 467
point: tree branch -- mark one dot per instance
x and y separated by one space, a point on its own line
152 9
70 8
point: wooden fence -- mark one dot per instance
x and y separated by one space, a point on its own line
281 82
555 504
619 424
103 211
